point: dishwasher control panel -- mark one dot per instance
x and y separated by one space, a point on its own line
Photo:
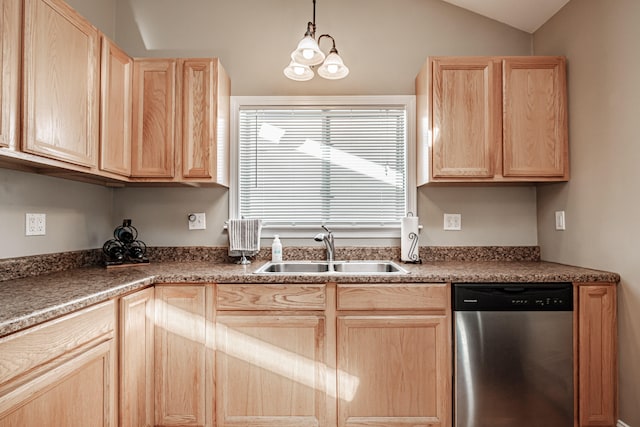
513 296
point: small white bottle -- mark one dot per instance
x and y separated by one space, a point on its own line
276 249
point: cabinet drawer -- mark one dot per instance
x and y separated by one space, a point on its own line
270 297
34 347
394 296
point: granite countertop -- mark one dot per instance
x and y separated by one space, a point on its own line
28 301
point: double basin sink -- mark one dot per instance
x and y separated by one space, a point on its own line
335 267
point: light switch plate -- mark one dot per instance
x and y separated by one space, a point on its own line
35 224
560 222
197 221
452 221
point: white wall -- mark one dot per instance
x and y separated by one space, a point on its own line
501 216
78 214
490 216
160 214
600 40
101 13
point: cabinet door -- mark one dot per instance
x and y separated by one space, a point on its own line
153 137
466 125
205 120
394 371
136 359
61 83
9 78
198 105
181 355
77 393
61 372
535 117
271 371
597 370
115 129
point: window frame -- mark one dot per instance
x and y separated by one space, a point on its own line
303 231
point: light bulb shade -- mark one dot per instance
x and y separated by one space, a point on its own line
298 72
333 68
308 52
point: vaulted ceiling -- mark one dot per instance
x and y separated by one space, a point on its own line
525 15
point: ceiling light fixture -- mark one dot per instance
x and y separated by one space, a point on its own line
308 54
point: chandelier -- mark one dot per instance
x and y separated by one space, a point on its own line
308 55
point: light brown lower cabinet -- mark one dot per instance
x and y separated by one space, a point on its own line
271 370
393 370
184 355
137 350
597 354
394 365
345 355
304 355
61 373
272 356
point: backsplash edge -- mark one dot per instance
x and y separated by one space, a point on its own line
34 265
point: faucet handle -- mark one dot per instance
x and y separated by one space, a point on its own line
326 229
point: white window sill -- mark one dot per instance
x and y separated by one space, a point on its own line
343 232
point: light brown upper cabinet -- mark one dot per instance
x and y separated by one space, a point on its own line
61 83
205 120
180 121
492 119
535 140
73 104
10 77
115 109
153 137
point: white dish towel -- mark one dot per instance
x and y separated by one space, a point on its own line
244 236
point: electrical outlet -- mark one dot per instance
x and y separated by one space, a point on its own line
35 224
452 221
560 223
197 221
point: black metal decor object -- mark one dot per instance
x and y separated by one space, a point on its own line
125 248
413 254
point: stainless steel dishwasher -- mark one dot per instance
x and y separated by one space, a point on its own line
513 357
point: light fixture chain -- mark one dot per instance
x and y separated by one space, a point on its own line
314 18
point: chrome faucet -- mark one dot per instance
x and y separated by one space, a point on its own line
328 241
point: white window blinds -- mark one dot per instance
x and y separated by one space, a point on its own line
335 165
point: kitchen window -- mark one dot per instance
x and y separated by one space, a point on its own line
298 163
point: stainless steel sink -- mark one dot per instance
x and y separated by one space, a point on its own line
294 267
368 267
336 267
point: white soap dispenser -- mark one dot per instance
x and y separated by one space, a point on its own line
276 249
